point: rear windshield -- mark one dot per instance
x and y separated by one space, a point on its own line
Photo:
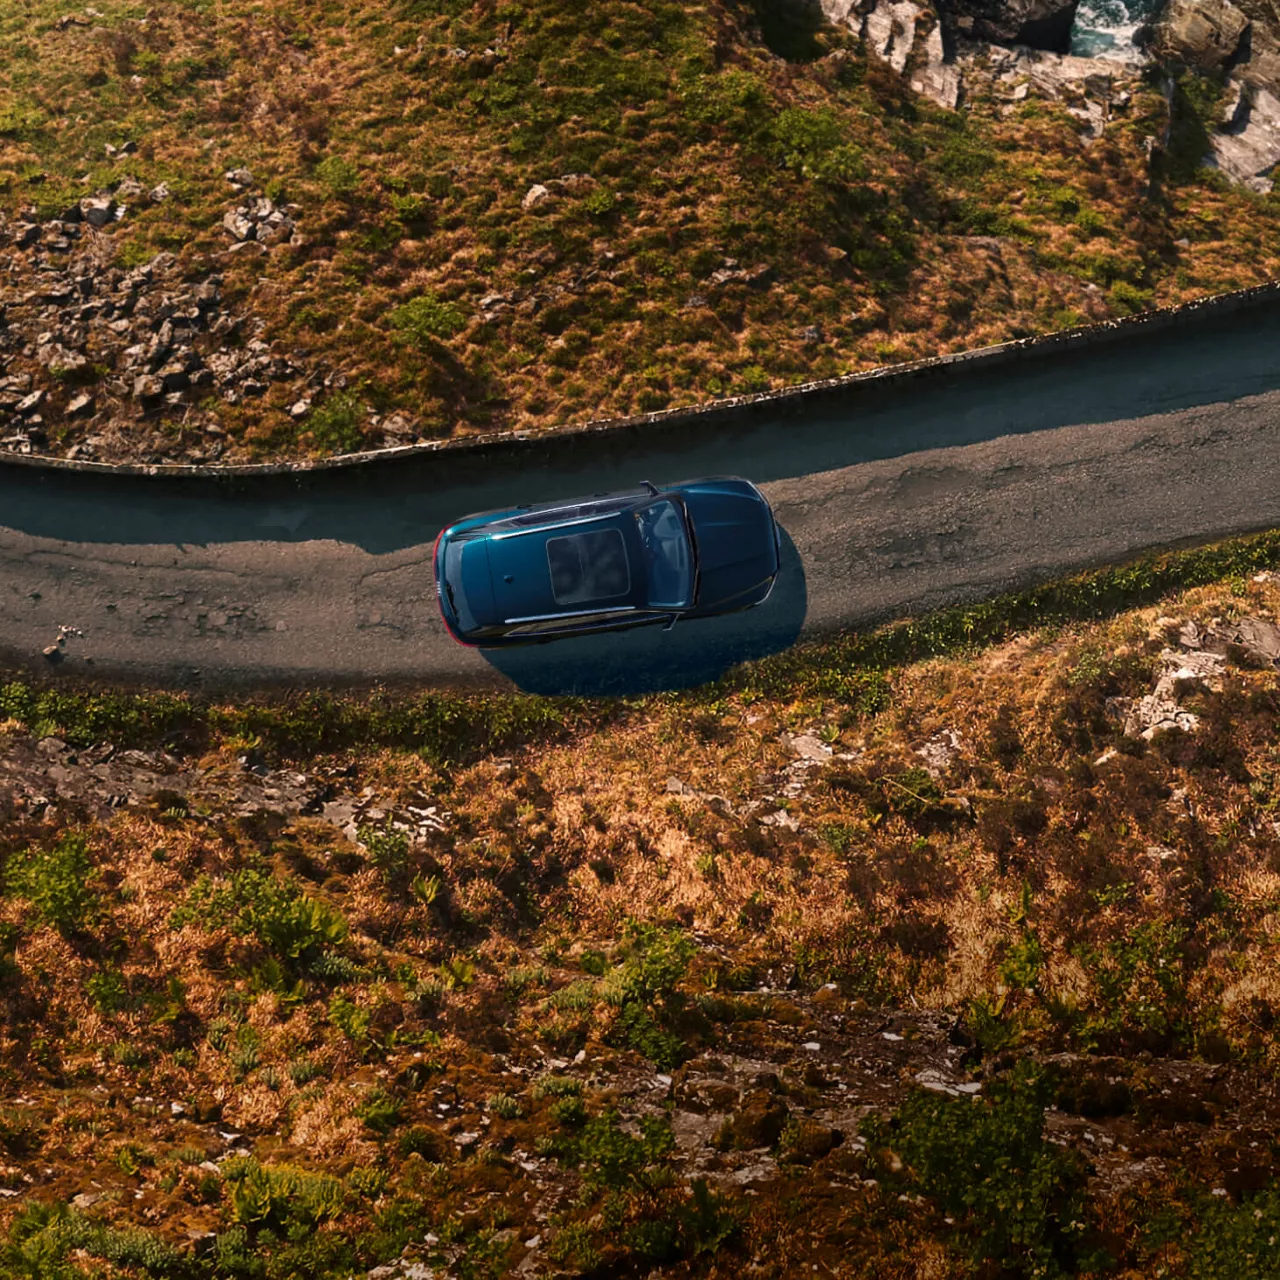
586 567
453 587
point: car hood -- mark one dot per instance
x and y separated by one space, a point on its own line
736 543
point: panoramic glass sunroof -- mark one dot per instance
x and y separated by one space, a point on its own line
586 567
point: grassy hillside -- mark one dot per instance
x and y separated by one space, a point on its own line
903 955
730 201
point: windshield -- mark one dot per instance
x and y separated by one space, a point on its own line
453 587
669 557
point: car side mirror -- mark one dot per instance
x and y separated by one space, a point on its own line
671 621
653 488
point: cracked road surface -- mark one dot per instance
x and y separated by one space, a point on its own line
893 500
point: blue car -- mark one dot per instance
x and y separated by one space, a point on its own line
606 563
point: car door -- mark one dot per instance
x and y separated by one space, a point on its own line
584 625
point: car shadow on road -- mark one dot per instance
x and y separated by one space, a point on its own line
650 660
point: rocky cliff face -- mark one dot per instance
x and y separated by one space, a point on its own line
1035 45
1242 44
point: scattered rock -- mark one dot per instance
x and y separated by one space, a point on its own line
259 220
939 752
938 78
537 196
808 1141
753 277
759 1123
782 819
944 1082
98 211
1161 710
890 31
1256 640
808 747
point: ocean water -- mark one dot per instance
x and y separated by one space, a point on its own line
1105 28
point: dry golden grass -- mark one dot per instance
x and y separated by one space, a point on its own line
990 851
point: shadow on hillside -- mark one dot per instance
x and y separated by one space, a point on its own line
650 660
790 27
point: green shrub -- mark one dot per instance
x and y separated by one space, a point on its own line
367 1182
278 1196
108 991
54 882
815 145
338 175
427 318
1091 223
1023 962
965 154
1129 297
244 1054
43 1235
351 1020
645 989
337 425
599 203
569 1111
422 1141
411 207
380 1111
557 1087
608 1156
504 1106
649 1215
733 99
1014 1197
294 927
1139 988
387 848
303 1070
1237 1239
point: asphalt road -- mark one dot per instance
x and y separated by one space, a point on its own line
896 500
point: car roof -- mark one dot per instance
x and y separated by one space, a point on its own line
564 567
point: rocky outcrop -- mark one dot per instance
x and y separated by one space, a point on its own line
1017 48
930 46
1203 34
890 26
909 37
1093 90
1247 146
